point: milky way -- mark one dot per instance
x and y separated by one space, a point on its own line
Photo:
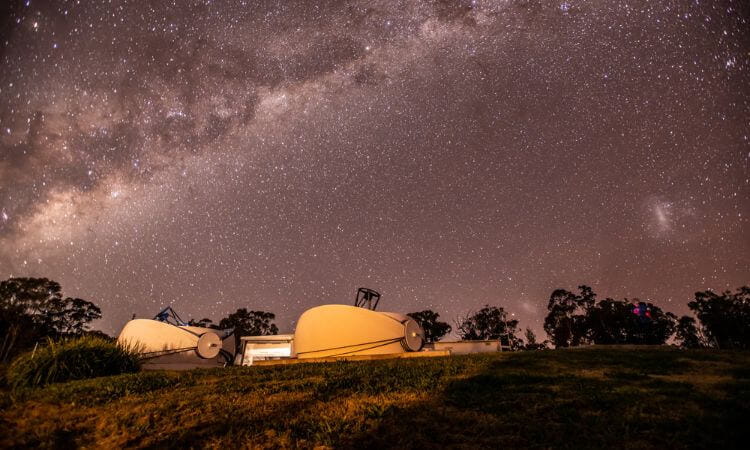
278 155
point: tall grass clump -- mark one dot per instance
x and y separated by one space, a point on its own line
75 359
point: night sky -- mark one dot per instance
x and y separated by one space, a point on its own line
278 155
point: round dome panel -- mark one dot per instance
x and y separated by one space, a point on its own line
343 330
413 336
209 345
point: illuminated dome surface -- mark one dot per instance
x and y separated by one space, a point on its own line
167 346
342 330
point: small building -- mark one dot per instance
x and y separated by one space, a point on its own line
466 347
264 348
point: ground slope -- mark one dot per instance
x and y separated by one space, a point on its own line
631 397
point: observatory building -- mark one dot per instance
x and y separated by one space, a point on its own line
343 330
322 333
335 331
166 342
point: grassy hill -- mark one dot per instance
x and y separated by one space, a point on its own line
595 397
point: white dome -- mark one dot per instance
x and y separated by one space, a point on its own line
342 330
163 345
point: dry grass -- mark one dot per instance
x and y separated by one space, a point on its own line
587 398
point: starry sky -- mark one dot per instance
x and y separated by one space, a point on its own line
277 155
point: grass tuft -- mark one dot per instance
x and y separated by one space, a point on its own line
74 359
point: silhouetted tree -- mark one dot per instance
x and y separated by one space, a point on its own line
32 309
614 322
576 319
610 322
204 323
249 323
489 323
725 317
566 323
531 343
71 316
687 333
433 328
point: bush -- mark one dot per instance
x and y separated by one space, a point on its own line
75 359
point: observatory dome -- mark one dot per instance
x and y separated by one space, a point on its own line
167 346
342 330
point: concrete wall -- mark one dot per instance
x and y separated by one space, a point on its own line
466 347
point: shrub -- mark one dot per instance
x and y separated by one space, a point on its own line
75 359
